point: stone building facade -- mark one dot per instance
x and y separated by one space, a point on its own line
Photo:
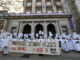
44 15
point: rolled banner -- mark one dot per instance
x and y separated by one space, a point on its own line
71 24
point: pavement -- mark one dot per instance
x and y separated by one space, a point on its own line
64 56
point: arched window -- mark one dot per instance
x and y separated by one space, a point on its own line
27 29
38 28
51 28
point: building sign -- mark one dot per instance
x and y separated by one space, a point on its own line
50 48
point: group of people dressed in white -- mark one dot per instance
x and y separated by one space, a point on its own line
68 42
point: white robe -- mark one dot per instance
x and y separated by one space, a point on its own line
77 47
70 44
5 42
64 45
20 35
0 42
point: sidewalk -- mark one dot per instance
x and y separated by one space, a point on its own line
64 56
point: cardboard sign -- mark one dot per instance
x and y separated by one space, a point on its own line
50 48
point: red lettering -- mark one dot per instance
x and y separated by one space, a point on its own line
33 49
13 48
39 49
19 48
23 49
46 49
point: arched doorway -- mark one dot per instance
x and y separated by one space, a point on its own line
38 28
51 28
27 29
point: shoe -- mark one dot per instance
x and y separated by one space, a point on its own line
41 55
4 54
66 52
25 56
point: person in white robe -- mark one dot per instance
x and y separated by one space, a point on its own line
37 35
64 43
0 40
45 37
41 39
40 32
63 35
50 36
5 44
77 46
15 35
70 43
74 35
75 38
77 43
32 36
27 37
57 37
20 35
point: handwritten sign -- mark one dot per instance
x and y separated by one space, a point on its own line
50 48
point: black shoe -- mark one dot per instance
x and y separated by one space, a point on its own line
25 56
4 54
66 52
41 55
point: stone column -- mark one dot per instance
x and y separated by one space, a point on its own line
54 6
24 4
43 8
60 27
33 28
57 27
33 6
45 28
20 27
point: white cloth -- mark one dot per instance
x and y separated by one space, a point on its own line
63 35
56 36
57 39
45 36
68 37
20 35
27 40
74 35
40 32
25 35
0 42
37 35
70 45
5 42
48 40
32 35
15 34
77 46
50 34
64 45
6 50
14 39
